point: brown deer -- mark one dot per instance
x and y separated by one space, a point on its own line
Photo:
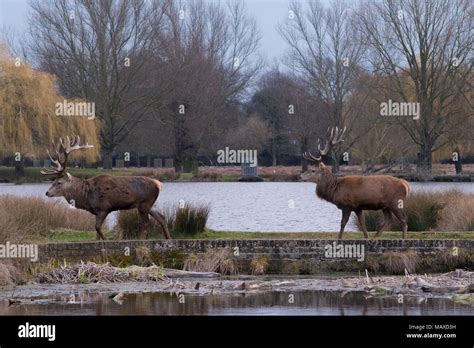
103 194
357 193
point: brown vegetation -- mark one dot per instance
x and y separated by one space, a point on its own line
27 218
431 211
214 260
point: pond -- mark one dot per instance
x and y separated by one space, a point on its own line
254 207
334 303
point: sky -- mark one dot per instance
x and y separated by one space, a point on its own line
268 13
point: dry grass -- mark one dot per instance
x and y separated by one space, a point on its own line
189 220
9 274
162 174
214 260
430 211
91 272
396 262
27 218
259 265
293 171
458 213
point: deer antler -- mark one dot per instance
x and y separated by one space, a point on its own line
335 137
58 166
310 158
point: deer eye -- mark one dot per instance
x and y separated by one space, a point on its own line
313 171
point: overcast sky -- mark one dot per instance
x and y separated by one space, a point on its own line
268 13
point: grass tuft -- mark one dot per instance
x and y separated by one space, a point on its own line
214 260
187 221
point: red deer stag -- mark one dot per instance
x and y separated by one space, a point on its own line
357 193
103 194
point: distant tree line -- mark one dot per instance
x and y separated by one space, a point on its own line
183 79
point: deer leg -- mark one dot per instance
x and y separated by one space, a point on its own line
361 217
99 220
386 219
400 214
160 218
346 213
143 224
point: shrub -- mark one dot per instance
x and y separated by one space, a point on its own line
127 226
188 220
206 176
26 218
446 211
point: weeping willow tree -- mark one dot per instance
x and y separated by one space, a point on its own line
28 120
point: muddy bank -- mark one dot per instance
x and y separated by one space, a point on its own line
458 285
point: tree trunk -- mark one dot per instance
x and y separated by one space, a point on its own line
107 159
335 161
425 159
274 154
178 164
19 168
458 164
304 148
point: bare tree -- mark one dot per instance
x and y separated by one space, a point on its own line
252 134
204 56
324 48
272 103
97 50
308 120
425 49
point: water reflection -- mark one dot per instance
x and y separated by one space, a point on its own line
271 303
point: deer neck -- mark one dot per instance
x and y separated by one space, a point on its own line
77 195
327 186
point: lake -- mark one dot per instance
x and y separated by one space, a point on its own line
262 206
270 303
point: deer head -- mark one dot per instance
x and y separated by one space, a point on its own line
62 184
313 175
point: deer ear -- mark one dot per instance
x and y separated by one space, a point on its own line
321 165
68 176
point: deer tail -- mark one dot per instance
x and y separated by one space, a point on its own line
159 184
406 186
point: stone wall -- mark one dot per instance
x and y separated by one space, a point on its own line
283 255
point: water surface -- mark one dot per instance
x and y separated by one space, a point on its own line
263 206
332 303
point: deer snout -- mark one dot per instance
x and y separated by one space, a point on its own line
48 194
